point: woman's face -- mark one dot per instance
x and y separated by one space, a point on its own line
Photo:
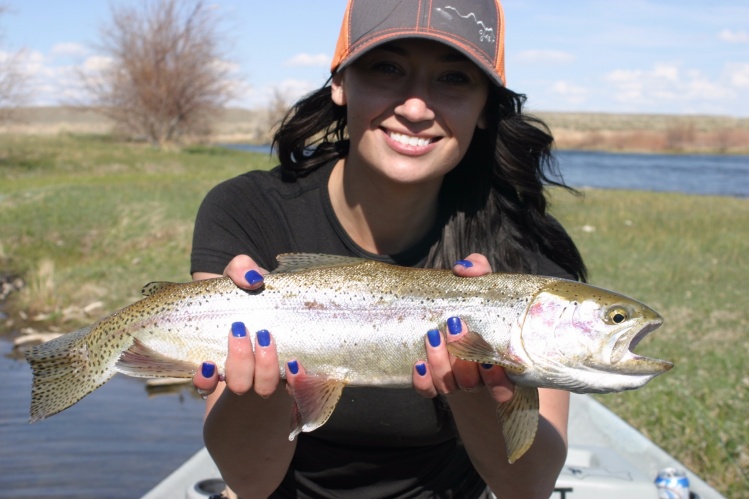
412 108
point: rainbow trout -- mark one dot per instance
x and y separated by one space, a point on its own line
369 322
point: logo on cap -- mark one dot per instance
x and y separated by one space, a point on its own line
486 34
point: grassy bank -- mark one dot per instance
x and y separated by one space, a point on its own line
87 221
679 134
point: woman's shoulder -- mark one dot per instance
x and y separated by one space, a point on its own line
275 180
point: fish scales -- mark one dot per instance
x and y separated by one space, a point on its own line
367 327
350 321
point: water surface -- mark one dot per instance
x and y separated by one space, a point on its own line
115 443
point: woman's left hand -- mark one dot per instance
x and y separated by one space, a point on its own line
442 373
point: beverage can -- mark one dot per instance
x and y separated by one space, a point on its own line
672 483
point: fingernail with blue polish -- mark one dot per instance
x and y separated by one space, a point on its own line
293 366
207 369
263 338
434 337
464 263
253 277
454 326
238 330
487 366
421 369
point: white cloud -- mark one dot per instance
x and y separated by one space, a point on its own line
304 59
738 75
96 63
544 57
573 94
69 50
672 87
730 36
259 98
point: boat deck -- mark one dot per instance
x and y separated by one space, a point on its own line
607 458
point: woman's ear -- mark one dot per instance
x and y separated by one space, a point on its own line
337 93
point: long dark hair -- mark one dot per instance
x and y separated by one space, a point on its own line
493 202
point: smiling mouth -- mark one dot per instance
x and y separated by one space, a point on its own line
410 140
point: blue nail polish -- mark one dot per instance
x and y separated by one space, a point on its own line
253 277
421 369
464 263
238 330
207 369
454 326
263 338
434 337
293 366
487 366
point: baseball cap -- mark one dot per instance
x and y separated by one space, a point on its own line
473 27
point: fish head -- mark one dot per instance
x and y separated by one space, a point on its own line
583 338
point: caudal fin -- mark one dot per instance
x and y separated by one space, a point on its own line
64 373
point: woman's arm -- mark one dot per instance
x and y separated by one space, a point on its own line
246 425
534 474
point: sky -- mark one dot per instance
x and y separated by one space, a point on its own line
615 56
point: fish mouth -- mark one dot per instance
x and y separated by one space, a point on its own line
624 360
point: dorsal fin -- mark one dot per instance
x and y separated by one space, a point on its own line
297 262
156 286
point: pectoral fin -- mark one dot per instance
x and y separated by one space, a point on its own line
143 362
519 419
315 398
474 348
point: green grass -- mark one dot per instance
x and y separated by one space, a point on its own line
87 219
686 256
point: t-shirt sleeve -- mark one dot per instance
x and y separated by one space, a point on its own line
226 226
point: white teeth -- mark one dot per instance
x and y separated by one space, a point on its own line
409 140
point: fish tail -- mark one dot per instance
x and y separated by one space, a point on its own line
64 372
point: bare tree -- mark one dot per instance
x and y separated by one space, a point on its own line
13 88
166 78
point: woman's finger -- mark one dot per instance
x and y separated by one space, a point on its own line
439 363
240 362
267 374
466 373
474 265
497 382
245 273
422 380
205 379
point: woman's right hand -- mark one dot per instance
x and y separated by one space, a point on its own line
245 369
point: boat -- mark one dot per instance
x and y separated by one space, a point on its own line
606 458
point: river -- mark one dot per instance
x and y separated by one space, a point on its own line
119 442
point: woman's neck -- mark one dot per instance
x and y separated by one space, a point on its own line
381 216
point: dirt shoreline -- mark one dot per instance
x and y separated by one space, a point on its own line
580 131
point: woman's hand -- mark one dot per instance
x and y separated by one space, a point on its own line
245 369
442 373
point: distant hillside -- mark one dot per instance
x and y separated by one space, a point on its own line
587 131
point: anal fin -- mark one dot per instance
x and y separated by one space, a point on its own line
519 419
474 348
315 398
141 361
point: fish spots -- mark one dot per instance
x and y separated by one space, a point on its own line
314 305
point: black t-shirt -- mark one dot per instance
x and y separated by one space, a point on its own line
378 442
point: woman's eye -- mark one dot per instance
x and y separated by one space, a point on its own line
455 78
385 67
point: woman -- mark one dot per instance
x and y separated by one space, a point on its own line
416 154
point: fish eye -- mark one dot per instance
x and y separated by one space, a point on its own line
617 315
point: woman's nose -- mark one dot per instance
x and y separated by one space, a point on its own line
415 106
